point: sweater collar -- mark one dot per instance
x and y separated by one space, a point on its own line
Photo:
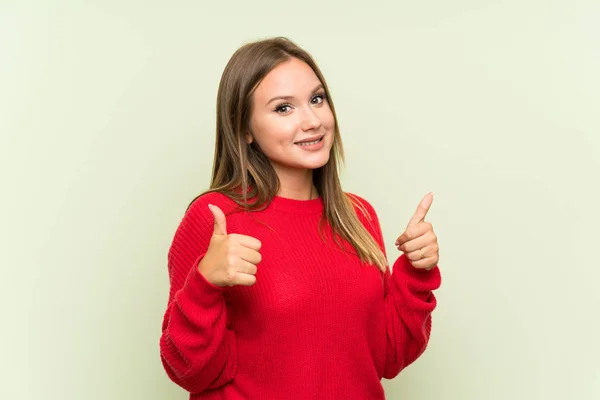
294 206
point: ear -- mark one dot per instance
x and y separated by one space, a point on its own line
249 137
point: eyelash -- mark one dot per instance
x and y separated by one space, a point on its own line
280 106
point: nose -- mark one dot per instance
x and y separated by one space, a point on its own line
311 120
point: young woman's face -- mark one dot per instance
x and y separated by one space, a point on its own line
278 124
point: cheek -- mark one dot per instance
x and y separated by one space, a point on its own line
272 132
327 118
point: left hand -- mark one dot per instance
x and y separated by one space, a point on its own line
418 241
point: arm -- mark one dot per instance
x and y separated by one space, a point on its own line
197 349
408 301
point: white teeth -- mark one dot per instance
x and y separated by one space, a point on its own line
309 143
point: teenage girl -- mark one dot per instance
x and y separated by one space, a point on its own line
279 282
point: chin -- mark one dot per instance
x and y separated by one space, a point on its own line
316 164
305 164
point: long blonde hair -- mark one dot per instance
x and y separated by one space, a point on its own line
239 165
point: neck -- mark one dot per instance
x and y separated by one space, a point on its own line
298 187
310 193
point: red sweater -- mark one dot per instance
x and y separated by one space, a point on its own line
318 324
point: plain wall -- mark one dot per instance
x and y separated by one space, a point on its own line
107 122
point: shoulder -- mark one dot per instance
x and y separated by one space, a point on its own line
198 217
200 204
366 215
196 225
362 205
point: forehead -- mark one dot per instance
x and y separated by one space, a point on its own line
291 78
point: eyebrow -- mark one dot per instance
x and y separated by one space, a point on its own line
320 86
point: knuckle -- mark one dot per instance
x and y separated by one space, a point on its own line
231 250
230 261
230 277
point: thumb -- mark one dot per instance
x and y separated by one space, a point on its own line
220 222
422 210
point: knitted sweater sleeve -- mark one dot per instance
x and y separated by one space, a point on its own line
409 302
197 349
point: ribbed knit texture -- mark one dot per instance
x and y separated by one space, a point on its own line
318 324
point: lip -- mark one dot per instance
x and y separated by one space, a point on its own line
310 139
313 147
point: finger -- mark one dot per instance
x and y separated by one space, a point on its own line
220 227
426 263
244 279
248 241
422 210
416 244
416 255
246 267
413 232
250 255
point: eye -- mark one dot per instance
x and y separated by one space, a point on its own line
282 106
322 95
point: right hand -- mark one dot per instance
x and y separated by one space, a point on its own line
230 259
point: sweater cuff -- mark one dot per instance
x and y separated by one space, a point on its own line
418 279
198 289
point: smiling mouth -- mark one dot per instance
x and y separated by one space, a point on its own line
310 143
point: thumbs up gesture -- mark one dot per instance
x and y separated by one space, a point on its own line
419 242
230 259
